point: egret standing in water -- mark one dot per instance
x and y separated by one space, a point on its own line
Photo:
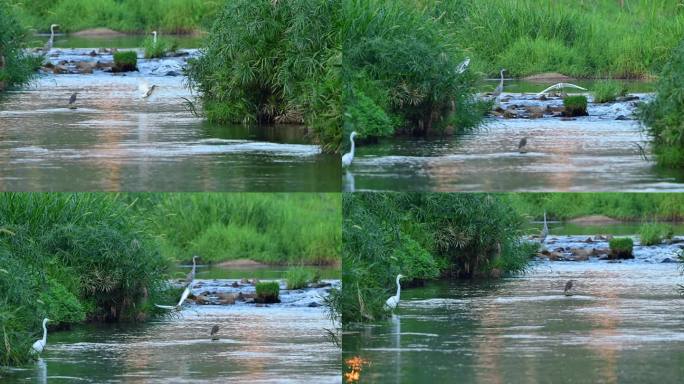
214 332
499 88
39 345
568 287
393 301
191 275
545 230
51 40
349 156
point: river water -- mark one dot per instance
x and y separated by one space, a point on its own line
115 140
594 153
278 343
623 324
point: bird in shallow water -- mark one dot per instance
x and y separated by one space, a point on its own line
39 345
348 157
568 288
393 301
522 144
214 332
72 100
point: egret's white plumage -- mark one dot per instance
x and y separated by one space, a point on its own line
51 40
39 345
154 39
191 275
463 66
393 301
545 230
499 88
560 86
348 157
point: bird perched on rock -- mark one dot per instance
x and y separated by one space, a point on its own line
214 332
568 287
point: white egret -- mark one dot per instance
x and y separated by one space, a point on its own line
393 301
39 345
499 88
349 156
545 230
191 275
145 89
463 66
51 40
214 332
154 39
560 86
184 296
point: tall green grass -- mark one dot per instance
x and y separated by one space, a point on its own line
582 38
169 16
423 236
16 67
620 206
71 257
271 228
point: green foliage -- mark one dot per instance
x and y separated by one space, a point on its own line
297 278
620 206
125 61
664 116
168 16
575 105
270 228
409 60
16 67
274 62
71 257
589 38
267 292
607 91
157 50
654 234
621 247
422 236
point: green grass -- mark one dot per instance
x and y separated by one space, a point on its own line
664 117
272 228
297 278
158 50
267 292
619 206
72 257
608 91
125 61
653 234
423 236
621 247
575 105
168 16
580 38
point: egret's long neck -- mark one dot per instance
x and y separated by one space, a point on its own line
44 333
52 32
545 226
193 265
351 139
398 289
502 79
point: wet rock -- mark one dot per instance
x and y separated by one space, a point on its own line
85 67
510 114
226 298
627 98
201 300
178 54
622 118
49 65
589 240
568 118
535 112
313 304
668 260
92 53
59 70
543 97
320 285
172 73
495 273
235 284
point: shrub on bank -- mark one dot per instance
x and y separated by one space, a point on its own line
71 257
16 67
664 116
654 234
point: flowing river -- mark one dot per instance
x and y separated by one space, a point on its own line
115 140
599 152
623 324
284 343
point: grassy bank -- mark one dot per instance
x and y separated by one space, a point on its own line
16 68
620 206
71 258
168 16
274 62
581 38
422 236
270 228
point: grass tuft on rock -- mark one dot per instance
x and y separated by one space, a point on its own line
608 91
654 234
621 248
297 278
267 292
125 61
575 106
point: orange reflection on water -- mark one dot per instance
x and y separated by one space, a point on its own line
355 364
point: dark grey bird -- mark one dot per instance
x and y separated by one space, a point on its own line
500 87
214 332
568 287
149 91
522 144
72 100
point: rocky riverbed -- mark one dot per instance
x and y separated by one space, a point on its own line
586 248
